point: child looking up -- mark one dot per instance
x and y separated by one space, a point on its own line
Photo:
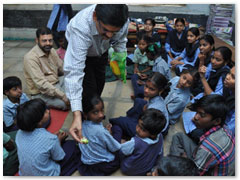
214 154
179 95
12 88
189 56
176 40
155 90
40 152
99 157
141 153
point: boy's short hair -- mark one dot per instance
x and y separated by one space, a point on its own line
10 82
112 14
43 31
30 113
176 166
213 104
153 121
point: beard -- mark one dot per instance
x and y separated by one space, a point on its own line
45 49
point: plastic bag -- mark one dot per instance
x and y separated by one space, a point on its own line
118 65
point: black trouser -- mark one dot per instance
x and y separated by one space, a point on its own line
94 78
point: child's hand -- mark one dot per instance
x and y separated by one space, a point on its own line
136 71
140 82
143 76
62 136
202 70
109 127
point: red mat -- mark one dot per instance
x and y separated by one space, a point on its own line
57 120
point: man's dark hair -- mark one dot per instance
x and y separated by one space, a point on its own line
153 121
43 31
112 14
213 104
10 82
176 166
30 113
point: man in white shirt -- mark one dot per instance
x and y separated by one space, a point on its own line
90 34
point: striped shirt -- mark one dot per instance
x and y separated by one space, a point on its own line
216 152
85 40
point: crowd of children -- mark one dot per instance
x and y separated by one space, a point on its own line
205 79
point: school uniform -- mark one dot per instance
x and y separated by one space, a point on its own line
176 100
98 157
162 67
39 151
128 124
139 155
175 44
214 78
189 57
10 112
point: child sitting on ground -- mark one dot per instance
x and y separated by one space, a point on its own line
174 166
179 95
12 88
189 55
141 153
40 152
100 156
215 153
176 40
155 90
160 65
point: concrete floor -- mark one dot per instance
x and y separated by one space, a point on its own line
116 95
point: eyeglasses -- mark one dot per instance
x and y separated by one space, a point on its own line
106 30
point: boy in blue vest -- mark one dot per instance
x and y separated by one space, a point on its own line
141 153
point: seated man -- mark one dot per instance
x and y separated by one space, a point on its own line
42 68
215 153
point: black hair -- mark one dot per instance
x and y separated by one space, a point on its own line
153 121
43 31
194 73
195 31
161 82
213 104
176 166
90 102
143 36
226 53
153 49
30 113
180 20
208 38
112 14
10 82
150 19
